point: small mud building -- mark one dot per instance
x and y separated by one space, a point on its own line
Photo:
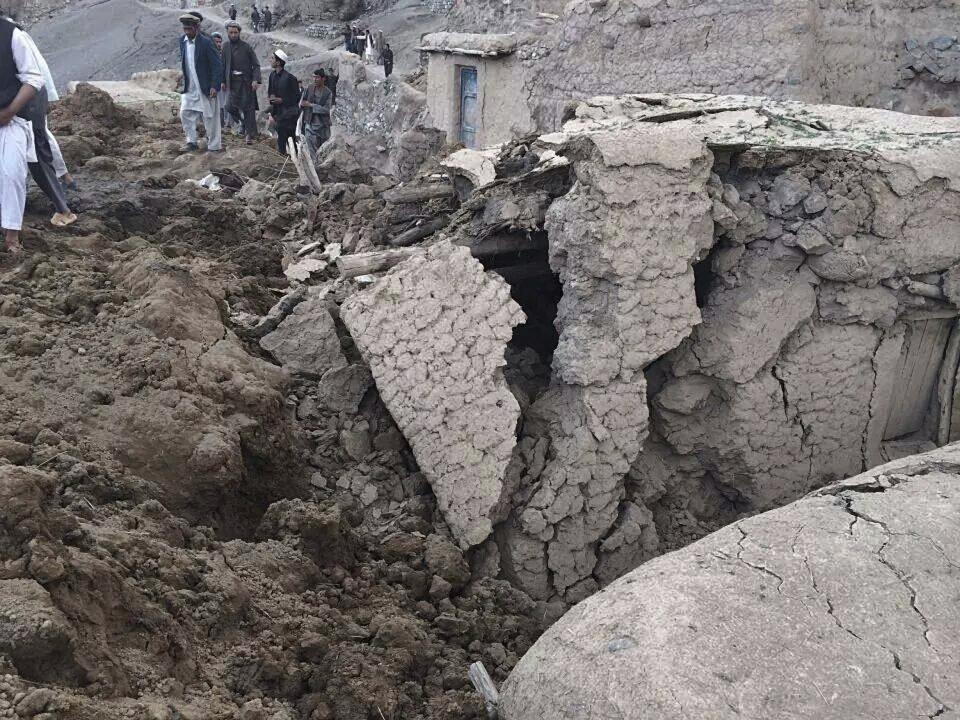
475 88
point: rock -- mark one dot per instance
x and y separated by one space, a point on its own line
321 533
303 269
35 634
356 443
400 632
35 702
253 710
439 588
253 192
443 558
401 545
306 342
815 202
342 388
788 190
101 163
99 396
943 42
16 452
867 566
453 626
812 241
390 440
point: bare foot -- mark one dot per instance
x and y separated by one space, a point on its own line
13 247
63 219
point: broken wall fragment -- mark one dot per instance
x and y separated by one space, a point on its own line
434 331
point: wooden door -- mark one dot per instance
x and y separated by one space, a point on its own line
469 109
917 373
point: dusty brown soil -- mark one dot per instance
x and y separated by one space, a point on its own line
180 538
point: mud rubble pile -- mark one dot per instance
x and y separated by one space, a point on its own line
192 528
727 301
270 454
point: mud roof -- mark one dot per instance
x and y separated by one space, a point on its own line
479 44
928 145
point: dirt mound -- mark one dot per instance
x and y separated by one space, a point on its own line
192 532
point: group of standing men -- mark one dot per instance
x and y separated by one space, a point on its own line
26 143
233 71
370 46
258 21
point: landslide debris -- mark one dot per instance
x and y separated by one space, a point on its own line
190 529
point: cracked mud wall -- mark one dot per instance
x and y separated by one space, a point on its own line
787 599
434 331
788 382
623 242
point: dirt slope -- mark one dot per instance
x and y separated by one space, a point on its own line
190 530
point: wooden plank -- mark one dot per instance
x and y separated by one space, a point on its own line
886 364
419 232
484 685
895 424
946 384
917 377
418 193
526 271
372 262
503 243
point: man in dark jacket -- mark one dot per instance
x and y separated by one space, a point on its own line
387 56
241 77
267 19
332 81
255 19
233 11
283 94
202 76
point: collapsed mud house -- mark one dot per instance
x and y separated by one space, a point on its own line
716 305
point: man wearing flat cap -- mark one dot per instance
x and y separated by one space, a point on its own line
283 94
241 78
202 75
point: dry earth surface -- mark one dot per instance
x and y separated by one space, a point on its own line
190 530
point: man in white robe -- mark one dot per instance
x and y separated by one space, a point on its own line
18 66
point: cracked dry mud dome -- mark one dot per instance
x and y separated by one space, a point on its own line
765 616
578 406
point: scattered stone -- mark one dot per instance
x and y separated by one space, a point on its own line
306 341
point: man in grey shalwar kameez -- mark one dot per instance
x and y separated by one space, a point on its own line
316 103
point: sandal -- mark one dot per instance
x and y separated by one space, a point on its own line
63 219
